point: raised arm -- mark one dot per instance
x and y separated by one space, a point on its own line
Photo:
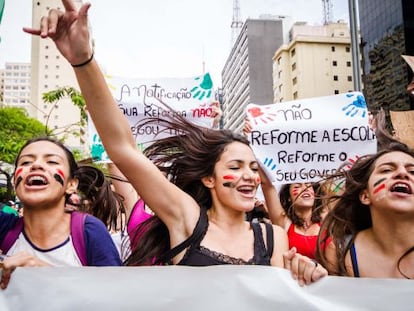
277 214
70 32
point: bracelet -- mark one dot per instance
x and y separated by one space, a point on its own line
84 63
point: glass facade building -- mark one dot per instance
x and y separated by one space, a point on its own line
387 28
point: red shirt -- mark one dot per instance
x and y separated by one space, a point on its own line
305 244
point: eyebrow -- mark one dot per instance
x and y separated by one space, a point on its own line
406 164
48 155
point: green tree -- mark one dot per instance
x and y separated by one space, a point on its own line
16 128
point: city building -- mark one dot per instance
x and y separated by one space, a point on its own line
15 85
51 71
317 61
387 29
247 73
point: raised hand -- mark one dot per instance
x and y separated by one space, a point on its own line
69 30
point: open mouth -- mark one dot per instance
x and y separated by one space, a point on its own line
246 189
401 188
36 180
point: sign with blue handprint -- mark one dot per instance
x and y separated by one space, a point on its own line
142 98
358 106
306 140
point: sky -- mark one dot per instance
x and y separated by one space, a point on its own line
160 38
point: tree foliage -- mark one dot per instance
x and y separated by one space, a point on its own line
75 96
16 128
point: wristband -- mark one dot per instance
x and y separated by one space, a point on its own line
84 63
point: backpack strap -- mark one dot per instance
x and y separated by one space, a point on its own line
77 232
12 235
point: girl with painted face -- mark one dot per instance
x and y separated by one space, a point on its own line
372 222
46 175
199 183
298 213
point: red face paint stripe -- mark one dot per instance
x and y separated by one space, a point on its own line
18 172
229 177
381 187
258 180
60 172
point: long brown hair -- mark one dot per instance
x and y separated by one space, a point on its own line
184 159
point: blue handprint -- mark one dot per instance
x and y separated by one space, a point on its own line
204 88
357 106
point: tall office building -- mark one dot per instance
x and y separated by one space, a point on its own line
247 74
316 62
50 71
15 85
387 29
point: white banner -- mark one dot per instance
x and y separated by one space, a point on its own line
140 98
228 287
305 140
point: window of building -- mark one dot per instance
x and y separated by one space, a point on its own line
46 56
349 78
295 95
279 74
279 60
335 63
332 48
336 92
293 66
348 64
293 52
280 88
294 80
335 78
347 49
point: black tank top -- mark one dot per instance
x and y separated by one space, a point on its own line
197 255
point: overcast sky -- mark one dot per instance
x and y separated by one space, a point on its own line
160 38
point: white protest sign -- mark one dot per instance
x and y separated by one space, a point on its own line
142 98
305 140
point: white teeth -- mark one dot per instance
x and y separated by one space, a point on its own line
36 180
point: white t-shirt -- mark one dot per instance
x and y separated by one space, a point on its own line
63 255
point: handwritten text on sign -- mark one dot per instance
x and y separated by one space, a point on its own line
141 98
305 140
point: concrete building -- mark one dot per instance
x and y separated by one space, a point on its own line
316 62
15 85
49 72
247 74
387 29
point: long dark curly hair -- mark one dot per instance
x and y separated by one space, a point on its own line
185 159
288 205
349 216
